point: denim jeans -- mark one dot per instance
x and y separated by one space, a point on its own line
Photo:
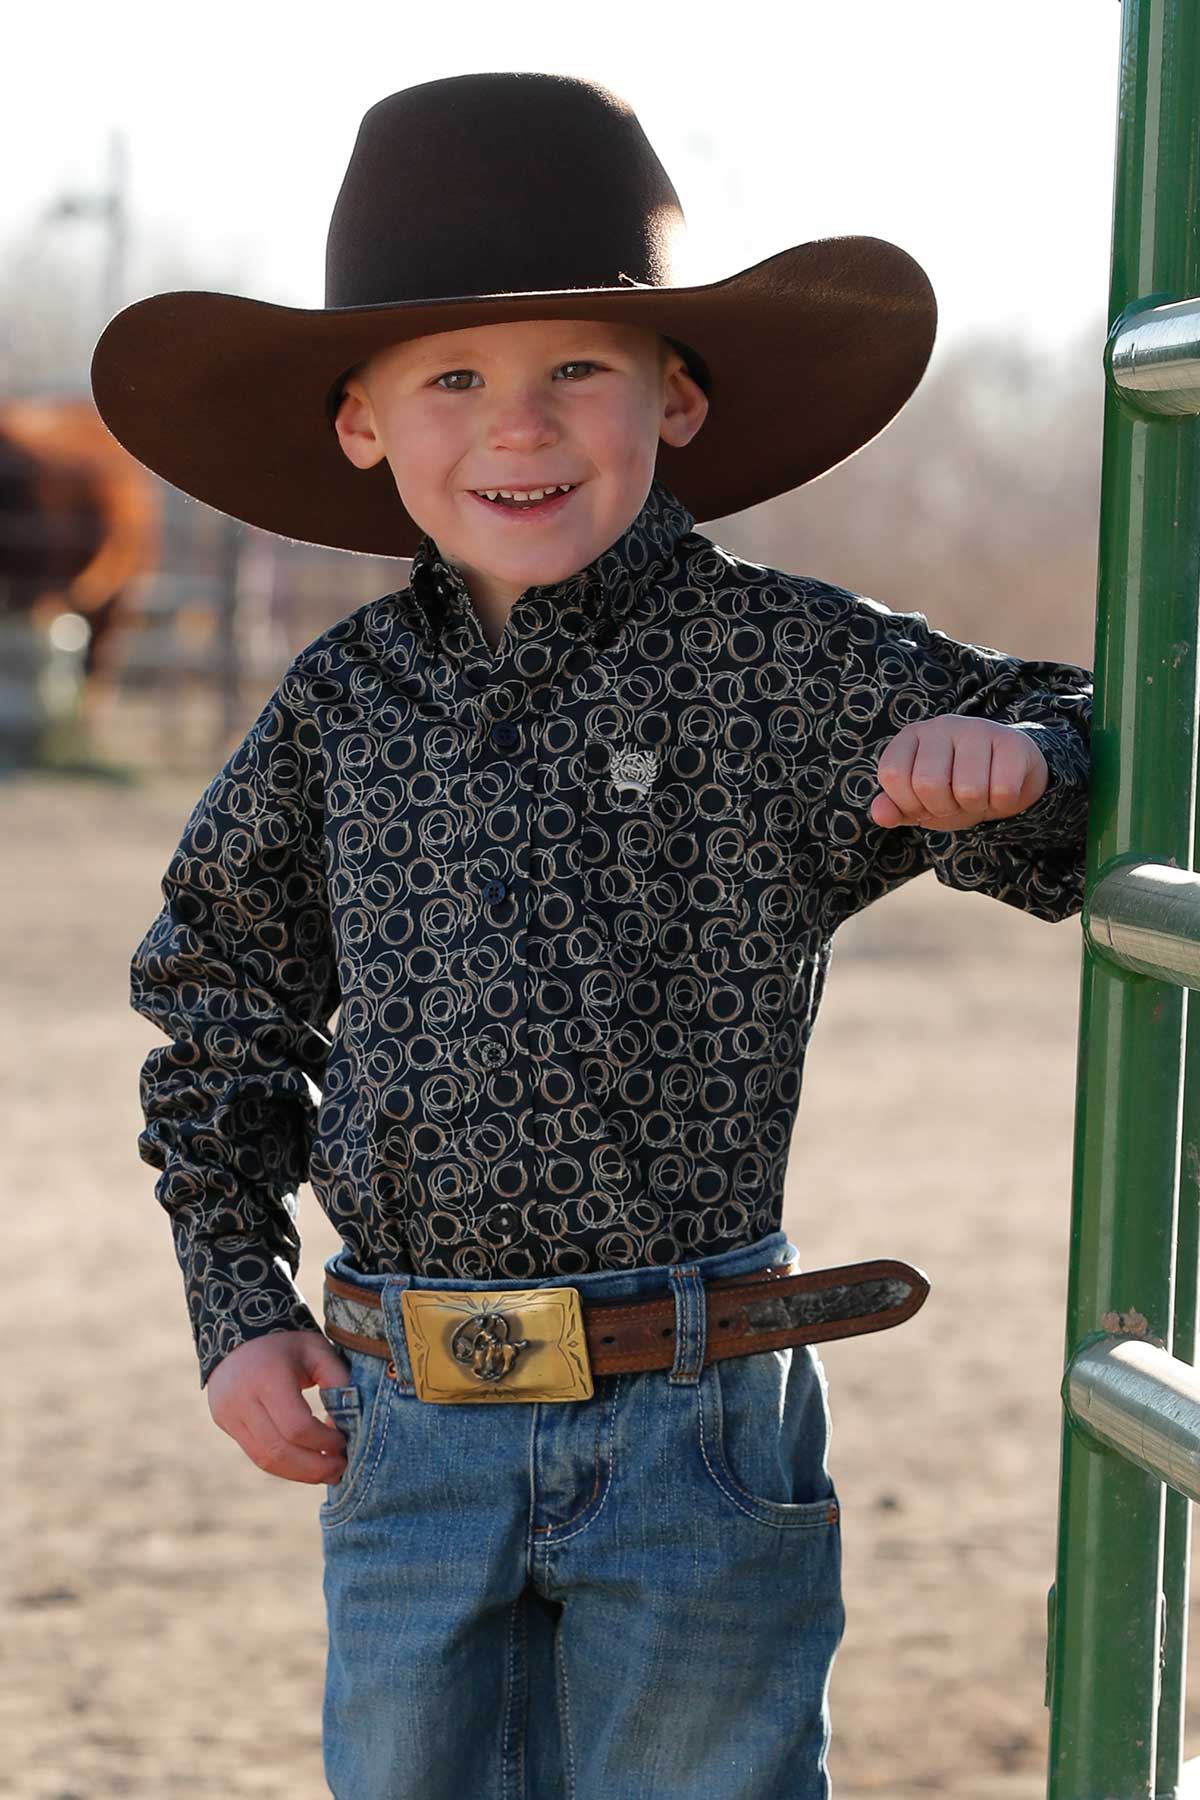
636 1596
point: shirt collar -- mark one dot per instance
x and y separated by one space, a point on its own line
593 602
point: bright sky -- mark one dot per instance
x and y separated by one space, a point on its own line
978 136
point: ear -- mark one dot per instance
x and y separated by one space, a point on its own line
685 406
355 427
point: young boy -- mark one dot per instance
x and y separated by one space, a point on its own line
562 830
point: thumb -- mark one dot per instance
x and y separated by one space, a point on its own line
323 1363
884 811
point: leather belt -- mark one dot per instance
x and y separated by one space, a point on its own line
547 1343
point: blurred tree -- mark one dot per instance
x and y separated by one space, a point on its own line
979 505
52 299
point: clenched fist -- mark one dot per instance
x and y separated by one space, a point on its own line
951 772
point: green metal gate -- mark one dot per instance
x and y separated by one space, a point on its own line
1131 1437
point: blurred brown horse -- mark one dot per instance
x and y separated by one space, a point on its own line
80 520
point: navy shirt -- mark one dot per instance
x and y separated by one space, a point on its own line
572 903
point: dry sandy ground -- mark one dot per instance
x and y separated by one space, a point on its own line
163 1616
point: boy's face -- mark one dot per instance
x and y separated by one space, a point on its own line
521 405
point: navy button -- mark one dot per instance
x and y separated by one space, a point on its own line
494 891
505 735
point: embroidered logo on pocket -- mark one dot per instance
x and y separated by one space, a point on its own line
632 773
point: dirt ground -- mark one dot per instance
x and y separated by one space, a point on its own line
164 1619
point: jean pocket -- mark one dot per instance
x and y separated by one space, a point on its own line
360 1411
764 1431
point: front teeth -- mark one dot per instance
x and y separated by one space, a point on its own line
526 494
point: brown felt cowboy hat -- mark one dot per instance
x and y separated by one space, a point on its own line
483 198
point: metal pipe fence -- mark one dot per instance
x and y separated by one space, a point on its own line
1131 1434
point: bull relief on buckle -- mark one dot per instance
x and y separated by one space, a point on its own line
507 1344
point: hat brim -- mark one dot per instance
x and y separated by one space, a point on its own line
810 354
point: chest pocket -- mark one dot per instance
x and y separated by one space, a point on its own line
664 849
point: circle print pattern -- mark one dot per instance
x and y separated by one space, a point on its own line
572 902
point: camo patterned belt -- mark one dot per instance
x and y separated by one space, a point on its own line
548 1343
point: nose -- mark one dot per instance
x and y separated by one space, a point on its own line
523 422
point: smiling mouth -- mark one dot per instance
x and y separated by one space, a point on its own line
550 499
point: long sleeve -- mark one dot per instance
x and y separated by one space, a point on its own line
238 970
896 668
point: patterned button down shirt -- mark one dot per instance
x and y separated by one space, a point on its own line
572 903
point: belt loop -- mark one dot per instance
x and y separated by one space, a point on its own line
690 1325
393 1316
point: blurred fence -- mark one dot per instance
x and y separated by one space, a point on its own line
137 625
209 634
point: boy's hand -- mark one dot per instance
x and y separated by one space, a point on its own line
254 1394
951 772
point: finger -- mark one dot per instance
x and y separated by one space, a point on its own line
1010 767
329 1374
254 1435
323 1364
931 777
273 1451
295 1420
971 778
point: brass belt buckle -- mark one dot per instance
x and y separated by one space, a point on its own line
497 1344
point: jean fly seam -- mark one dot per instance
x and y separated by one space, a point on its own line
512 1734
564 1702
594 1504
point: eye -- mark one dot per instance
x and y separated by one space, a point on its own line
451 373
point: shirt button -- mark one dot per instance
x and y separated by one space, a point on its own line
494 891
505 735
492 1053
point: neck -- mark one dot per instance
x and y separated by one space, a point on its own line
492 614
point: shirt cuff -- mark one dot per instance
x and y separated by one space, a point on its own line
224 1316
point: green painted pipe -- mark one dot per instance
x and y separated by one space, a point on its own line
1104 1685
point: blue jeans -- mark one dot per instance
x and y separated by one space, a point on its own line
636 1596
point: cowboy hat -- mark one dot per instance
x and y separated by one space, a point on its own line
478 199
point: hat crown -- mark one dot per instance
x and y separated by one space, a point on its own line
499 184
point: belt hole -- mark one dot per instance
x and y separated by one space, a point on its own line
668 1331
723 1323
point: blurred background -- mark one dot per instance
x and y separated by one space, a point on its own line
162 1575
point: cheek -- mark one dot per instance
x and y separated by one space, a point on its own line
623 439
424 472
425 441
